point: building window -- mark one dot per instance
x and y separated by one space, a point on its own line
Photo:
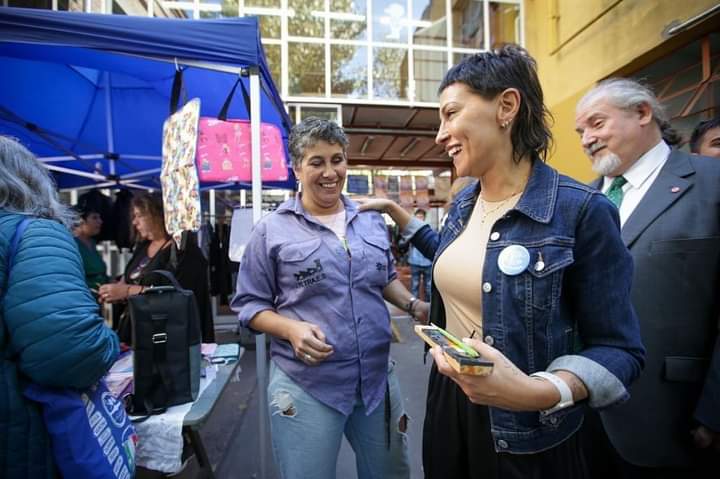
365 50
429 70
429 22
390 21
218 9
306 69
306 18
687 83
349 67
348 19
468 19
390 73
272 55
46 4
70 5
504 23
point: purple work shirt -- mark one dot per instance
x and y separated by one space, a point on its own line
297 267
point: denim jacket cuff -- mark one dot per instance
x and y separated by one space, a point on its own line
410 229
604 388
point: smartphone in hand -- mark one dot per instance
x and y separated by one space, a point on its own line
461 357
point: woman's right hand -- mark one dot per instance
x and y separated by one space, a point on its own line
308 342
382 205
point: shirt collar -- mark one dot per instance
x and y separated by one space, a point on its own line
294 205
644 167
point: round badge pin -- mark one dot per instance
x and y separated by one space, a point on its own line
513 259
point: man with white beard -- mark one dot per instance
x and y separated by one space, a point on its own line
669 208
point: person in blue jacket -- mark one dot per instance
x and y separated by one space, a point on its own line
419 267
50 331
530 268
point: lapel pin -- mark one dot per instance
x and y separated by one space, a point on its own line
675 189
513 259
540 265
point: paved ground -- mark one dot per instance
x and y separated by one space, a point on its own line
231 433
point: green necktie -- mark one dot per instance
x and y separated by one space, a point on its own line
615 192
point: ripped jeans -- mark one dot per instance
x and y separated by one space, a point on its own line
306 434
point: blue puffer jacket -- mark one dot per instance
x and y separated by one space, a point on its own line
50 332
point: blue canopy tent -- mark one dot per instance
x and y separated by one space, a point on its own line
89 93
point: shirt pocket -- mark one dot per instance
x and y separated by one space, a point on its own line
375 252
539 286
300 264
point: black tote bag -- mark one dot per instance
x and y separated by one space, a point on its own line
166 338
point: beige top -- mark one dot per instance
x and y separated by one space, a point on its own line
459 269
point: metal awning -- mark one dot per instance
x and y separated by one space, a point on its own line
393 136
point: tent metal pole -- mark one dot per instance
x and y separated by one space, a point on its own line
50 159
211 208
84 174
108 122
140 173
261 361
141 157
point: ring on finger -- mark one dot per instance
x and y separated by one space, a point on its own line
307 357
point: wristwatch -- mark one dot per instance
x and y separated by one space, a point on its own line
566 397
409 305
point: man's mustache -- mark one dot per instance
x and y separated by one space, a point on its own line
592 149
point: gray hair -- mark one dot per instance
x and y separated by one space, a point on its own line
26 186
628 94
308 132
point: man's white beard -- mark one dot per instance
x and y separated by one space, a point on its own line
607 164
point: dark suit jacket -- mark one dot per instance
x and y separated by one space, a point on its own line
674 238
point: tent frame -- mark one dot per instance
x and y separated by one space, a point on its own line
132 180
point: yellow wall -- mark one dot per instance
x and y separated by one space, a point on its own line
629 29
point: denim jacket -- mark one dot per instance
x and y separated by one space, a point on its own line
569 309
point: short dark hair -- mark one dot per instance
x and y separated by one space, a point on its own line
421 211
490 73
308 132
700 130
84 210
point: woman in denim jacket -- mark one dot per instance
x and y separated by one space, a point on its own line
530 264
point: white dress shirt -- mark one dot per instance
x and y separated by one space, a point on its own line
639 177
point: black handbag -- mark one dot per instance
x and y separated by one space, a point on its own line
166 338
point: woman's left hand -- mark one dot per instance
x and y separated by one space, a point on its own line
113 292
506 387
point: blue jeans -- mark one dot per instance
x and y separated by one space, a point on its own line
417 272
306 434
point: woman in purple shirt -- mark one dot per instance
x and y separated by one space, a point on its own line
315 276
